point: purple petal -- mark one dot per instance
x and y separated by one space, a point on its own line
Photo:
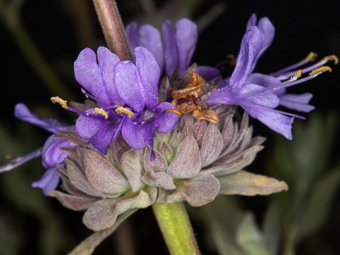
266 99
252 21
170 48
272 118
297 102
149 72
107 64
99 131
52 152
23 113
18 161
186 40
166 121
207 72
251 45
138 135
130 86
221 96
268 31
266 81
131 34
49 181
88 74
149 37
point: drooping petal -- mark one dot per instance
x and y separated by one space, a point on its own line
49 181
23 113
52 152
297 102
170 48
107 64
149 72
273 119
87 73
186 40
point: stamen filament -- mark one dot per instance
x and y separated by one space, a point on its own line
289 83
310 58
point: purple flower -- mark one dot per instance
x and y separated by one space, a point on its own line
176 49
260 94
127 96
51 152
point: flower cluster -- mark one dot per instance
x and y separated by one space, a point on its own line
195 162
160 129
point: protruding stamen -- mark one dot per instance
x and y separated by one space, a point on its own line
174 111
320 70
330 58
60 101
296 76
311 56
101 112
120 110
286 72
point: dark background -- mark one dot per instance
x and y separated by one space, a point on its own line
56 29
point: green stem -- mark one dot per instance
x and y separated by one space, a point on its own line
10 17
175 226
113 29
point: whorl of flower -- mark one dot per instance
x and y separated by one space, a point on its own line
260 94
52 153
195 162
174 49
127 97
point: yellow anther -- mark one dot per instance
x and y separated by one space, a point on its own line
60 101
174 111
320 70
296 76
101 112
331 58
120 110
311 56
